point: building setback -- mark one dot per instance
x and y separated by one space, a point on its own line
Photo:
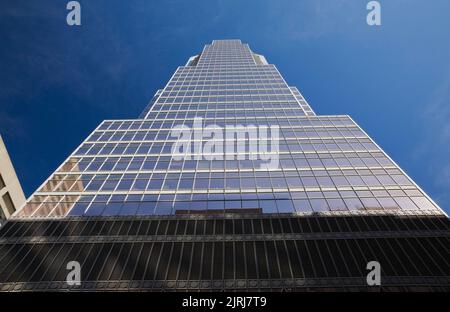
137 218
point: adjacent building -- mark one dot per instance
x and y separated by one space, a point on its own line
11 194
228 180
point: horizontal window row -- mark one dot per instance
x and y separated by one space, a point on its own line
220 87
171 204
249 82
236 87
229 116
282 122
183 71
175 107
219 62
277 206
150 124
285 161
267 73
117 182
164 163
227 92
227 109
284 127
219 99
307 145
167 134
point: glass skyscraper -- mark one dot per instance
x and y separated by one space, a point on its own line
227 181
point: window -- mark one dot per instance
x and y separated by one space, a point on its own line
2 183
9 203
336 204
319 205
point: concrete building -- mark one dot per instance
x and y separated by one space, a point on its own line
11 194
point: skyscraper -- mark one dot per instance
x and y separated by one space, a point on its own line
227 181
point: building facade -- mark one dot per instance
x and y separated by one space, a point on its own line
11 194
227 181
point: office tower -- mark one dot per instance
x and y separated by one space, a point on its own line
11 194
172 201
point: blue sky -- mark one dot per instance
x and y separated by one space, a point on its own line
57 83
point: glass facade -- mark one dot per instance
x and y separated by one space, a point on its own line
326 163
123 205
